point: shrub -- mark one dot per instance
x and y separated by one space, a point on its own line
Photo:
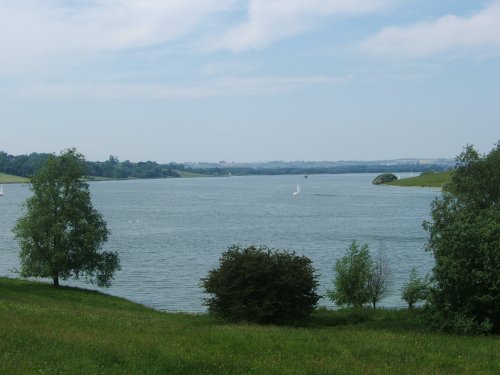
262 285
415 289
448 320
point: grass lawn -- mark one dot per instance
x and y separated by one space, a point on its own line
11 179
66 330
438 179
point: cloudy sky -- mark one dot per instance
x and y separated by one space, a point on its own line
249 80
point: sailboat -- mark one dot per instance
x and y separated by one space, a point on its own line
1 191
297 192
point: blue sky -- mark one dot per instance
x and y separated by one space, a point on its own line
249 80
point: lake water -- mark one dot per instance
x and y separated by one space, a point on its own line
170 232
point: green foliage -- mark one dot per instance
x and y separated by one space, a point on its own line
384 178
61 234
114 168
448 320
359 278
352 275
28 165
262 285
415 289
22 165
465 241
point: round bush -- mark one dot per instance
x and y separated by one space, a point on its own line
262 285
384 178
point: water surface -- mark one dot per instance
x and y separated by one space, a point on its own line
170 232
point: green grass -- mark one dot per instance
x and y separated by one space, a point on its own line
51 331
11 179
438 179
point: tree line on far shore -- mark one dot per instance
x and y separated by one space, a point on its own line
28 165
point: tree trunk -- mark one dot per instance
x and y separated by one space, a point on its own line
374 303
55 280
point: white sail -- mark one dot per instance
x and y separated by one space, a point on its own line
1 190
298 189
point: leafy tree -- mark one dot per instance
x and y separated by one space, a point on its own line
465 241
379 282
352 275
61 234
415 289
262 285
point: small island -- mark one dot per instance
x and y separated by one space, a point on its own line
384 178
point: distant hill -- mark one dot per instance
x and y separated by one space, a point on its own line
322 167
396 164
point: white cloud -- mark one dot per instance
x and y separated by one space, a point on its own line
224 87
450 33
37 35
34 31
272 20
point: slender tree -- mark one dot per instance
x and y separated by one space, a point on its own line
61 234
379 282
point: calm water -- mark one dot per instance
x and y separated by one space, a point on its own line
169 233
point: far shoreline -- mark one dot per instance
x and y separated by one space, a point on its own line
430 180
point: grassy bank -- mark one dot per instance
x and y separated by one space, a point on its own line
11 179
48 330
185 174
438 179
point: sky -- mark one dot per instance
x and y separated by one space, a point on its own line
249 80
